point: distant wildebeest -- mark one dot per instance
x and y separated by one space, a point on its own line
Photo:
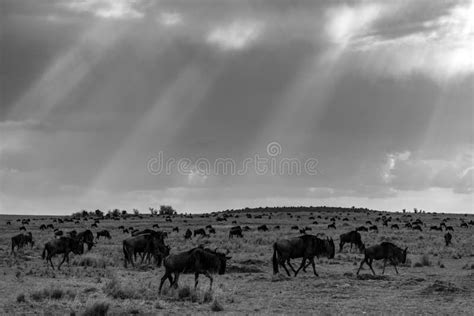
198 261
294 227
447 238
86 237
417 227
333 226
449 228
9 222
246 228
368 223
63 245
19 241
277 227
464 225
345 219
155 226
188 234
408 225
374 228
315 223
394 226
212 230
176 229
353 238
436 228
123 227
201 232
42 227
72 234
386 251
125 231
262 228
50 226
58 233
104 233
385 223
23 228
94 225
146 244
235 231
306 247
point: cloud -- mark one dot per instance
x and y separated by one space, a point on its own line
236 35
170 19
109 9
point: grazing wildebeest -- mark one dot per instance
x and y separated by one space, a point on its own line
188 234
386 251
123 227
277 227
333 226
155 226
104 233
212 230
58 233
362 229
145 244
464 225
306 247
198 261
86 237
246 228
201 232
417 227
62 245
436 228
374 228
294 227
408 225
262 228
72 234
94 225
352 237
50 226
449 228
125 231
19 241
236 231
447 238
23 228
394 226
315 223
9 222
176 229
208 226
368 223
43 227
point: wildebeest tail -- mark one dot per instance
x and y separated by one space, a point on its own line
44 253
274 259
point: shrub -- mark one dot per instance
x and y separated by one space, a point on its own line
115 289
97 309
21 298
216 306
184 292
424 262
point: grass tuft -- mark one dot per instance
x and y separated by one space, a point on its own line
216 306
97 309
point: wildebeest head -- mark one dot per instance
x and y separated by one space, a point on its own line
77 246
222 258
402 255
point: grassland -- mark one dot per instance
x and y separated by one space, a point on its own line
435 280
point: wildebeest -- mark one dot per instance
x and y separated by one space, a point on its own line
394 226
42 227
23 228
386 251
294 227
62 245
94 225
333 226
155 226
201 232
368 223
198 261
436 228
262 228
72 234
276 227
9 222
246 228
86 237
212 230
19 241
464 225
352 237
104 233
176 229
58 233
374 228
145 244
449 228
236 231
305 246
362 229
188 234
417 227
447 238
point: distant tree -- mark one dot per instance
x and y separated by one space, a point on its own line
415 210
167 210
99 213
153 211
116 213
124 213
84 213
136 212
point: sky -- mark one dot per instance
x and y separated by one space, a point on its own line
209 105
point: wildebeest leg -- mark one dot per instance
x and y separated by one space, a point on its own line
384 263
369 262
49 258
394 265
196 279
301 266
291 266
163 279
314 266
176 278
64 259
282 263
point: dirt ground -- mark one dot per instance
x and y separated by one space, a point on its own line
436 279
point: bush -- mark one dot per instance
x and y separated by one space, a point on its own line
216 306
424 262
97 309
21 298
51 293
92 260
115 289
184 292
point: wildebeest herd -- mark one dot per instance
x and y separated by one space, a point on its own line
139 245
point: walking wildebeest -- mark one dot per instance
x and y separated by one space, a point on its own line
188 234
19 241
262 228
62 245
86 237
353 238
236 231
198 261
104 233
447 238
145 244
201 232
386 251
306 247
